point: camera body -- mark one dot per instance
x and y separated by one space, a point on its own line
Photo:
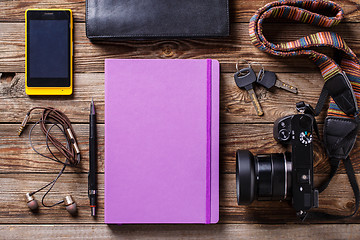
281 176
296 130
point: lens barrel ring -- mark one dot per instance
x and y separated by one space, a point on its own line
245 177
262 177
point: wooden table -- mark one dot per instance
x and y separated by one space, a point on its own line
21 170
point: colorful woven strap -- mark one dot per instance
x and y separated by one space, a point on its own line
307 11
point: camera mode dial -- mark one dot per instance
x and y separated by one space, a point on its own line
305 138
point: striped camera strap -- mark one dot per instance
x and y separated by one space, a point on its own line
341 76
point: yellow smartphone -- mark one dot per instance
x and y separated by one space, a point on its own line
48 52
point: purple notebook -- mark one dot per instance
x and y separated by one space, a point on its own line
161 141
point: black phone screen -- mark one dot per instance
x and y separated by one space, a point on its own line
48 48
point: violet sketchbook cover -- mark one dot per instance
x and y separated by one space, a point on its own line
161 141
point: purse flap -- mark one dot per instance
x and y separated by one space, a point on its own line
156 18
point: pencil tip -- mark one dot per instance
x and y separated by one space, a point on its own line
92 106
93 211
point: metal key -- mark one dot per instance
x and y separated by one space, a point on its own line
268 79
245 78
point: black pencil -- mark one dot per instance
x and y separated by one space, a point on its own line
92 180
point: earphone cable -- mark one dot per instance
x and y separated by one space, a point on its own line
70 151
52 115
52 183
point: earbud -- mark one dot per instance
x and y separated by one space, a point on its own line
70 205
31 202
68 201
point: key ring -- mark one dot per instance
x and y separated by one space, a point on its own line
243 60
261 72
257 63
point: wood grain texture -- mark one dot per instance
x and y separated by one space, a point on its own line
235 103
335 199
21 170
190 232
16 155
89 57
241 11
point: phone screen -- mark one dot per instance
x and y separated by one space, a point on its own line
48 49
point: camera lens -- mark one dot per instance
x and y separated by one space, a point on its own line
245 177
262 177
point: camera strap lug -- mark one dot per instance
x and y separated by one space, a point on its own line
316 198
305 108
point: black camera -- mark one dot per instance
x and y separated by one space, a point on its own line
281 176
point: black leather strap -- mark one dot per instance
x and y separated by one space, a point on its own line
354 185
321 102
334 163
339 139
339 88
339 136
353 182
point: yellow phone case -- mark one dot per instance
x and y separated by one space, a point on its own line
50 90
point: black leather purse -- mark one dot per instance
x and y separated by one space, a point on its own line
143 19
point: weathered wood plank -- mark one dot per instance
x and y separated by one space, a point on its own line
15 103
21 170
191 232
14 186
90 57
235 104
16 155
240 11
15 10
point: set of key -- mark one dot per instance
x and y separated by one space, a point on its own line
246 78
